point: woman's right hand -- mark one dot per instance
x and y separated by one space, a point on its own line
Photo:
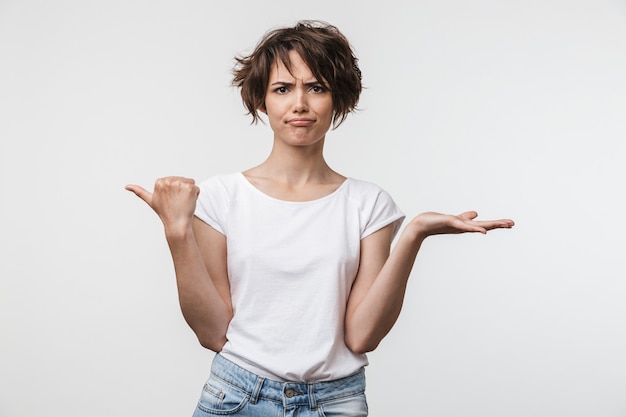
201 275
173 200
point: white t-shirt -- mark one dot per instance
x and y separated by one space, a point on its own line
291 266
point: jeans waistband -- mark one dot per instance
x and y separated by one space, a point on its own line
288 393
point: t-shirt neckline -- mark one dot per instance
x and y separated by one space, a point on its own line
269 197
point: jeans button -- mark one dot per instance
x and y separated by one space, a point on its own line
289 392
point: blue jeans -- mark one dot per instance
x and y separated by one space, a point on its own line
233 391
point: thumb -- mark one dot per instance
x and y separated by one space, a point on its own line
140 192
469 215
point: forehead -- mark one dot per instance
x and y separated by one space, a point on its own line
296 68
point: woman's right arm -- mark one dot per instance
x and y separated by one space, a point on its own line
201 277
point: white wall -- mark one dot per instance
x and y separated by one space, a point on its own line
514 109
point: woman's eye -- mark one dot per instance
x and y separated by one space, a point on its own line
318 89
281 90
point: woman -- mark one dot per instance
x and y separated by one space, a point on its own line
285 270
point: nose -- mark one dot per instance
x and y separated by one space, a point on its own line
300 101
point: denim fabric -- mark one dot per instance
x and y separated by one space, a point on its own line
233 391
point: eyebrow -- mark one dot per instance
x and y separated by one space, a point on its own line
286 83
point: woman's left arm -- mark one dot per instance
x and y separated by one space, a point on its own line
378 291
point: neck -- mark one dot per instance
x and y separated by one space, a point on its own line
296 165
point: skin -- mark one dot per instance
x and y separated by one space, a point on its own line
299 110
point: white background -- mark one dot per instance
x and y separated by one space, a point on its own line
514 109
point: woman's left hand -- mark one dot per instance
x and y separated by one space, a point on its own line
430 223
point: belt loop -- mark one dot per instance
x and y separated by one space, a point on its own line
311 392
254 397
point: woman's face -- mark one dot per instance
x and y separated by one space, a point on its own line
299 107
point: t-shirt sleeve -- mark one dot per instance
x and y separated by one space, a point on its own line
212 204
381 212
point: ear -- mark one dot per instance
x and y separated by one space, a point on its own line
263 109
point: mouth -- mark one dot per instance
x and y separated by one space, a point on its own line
300 122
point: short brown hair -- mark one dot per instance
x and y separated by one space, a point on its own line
324 49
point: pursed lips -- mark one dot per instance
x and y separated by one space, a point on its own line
300 122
